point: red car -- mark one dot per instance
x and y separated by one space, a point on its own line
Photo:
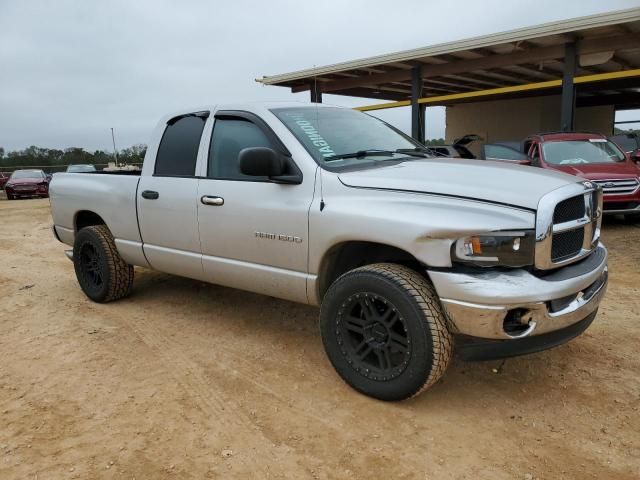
27 183
587 155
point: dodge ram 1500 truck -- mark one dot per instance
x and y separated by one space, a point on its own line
408 256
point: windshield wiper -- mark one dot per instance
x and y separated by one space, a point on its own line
361 154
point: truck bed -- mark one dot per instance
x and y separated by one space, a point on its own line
111 195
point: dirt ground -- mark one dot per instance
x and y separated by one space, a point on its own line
188 380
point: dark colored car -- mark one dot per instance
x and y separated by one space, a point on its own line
507 151
27 183
458 149
630 143
4 178
588 155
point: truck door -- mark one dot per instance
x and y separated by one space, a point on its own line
167 200
253 232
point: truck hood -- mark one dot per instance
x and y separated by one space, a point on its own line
601 171
493 182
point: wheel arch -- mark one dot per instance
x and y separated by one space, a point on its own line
86 218
345 256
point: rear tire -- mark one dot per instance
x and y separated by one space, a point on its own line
10 197
102 274
385 332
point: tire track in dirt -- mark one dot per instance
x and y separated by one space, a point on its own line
192 380
244 369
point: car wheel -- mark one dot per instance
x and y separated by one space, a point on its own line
385 332
10 197
102 274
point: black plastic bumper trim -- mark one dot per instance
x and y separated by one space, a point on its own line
477 349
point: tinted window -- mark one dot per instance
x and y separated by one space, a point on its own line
627 142
228 138
500 152
178 149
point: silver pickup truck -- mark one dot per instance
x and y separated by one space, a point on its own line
409 257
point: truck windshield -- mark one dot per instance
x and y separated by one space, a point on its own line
579 152
341 137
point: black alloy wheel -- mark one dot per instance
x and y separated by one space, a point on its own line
102 274
385 332
373 336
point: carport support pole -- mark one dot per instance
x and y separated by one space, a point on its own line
417 110
316 93
568 99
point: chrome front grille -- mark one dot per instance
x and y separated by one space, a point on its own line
625 186
570 209
568 225
566 244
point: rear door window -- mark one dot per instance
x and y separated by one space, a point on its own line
178 150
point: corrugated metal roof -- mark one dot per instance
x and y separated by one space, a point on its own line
522 34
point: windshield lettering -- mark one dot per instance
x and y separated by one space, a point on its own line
312 133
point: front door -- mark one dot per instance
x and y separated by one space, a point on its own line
253 232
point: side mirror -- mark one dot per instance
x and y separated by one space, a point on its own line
635 156
265 162
261 162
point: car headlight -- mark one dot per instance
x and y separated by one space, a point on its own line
508 249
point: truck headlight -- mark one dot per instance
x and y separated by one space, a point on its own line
508 249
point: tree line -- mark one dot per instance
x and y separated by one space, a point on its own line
53 160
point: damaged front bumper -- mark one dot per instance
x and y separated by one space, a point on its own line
513 305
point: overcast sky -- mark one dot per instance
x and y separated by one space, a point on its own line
70 70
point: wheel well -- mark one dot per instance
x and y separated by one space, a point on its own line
349 255
85 218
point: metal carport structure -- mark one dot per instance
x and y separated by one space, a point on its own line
593 60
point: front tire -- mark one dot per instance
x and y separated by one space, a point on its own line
385 332
102 274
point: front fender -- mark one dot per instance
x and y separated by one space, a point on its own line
423 225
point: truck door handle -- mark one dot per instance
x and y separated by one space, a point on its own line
215 201
150 195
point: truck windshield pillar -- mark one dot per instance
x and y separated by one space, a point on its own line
417 110
568 98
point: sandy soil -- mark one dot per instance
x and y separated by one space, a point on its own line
187 380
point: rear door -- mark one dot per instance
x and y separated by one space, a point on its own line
253 231
167 199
